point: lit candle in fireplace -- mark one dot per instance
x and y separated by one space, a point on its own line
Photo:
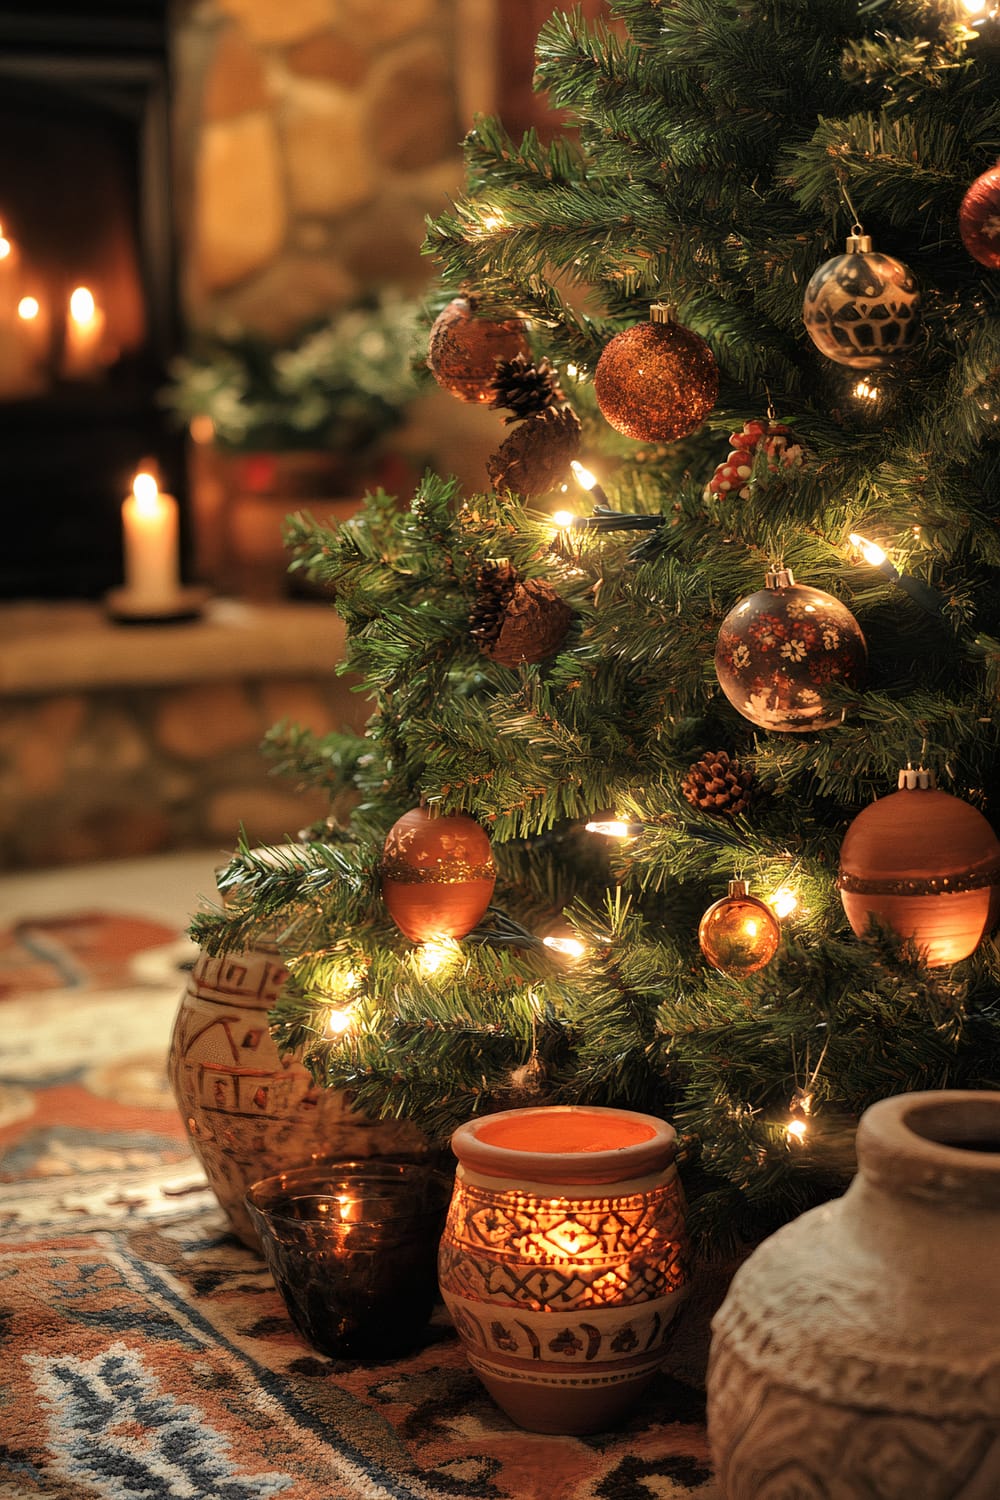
84 333
33 333
149 521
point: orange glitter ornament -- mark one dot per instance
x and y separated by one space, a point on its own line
657 381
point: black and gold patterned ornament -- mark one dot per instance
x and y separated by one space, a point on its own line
862 309
979 219
657 381
464 349
719 784
437 874
517 620
781 649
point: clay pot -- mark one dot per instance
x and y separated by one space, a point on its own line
858 1351
927 865
249 1113
562 1262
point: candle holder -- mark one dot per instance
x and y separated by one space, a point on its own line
562 1263
352 1248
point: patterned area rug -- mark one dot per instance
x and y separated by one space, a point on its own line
147 1354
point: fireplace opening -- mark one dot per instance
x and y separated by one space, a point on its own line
88 305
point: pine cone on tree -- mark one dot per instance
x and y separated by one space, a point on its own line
536 455
525 387
517 619
719 784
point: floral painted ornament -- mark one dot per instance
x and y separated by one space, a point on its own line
773 438
780 650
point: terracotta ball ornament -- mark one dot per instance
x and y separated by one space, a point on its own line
464 349
437 874
927 865
857 1352
861 308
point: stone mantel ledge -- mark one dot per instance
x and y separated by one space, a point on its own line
72 647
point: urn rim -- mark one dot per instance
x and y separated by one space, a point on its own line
934 1145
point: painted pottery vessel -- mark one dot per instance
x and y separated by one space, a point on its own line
562 1262
857 1355
250 1113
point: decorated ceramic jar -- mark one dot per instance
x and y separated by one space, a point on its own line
562 1263
858 1350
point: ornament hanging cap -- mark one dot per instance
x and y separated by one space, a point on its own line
919 779
661 312
858 243
779 578
737 888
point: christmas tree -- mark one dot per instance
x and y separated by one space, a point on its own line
787 590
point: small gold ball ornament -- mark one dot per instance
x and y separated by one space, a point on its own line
657 381
739 934
861 308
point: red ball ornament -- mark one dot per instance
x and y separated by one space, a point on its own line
658 381
739 934
927 865
437 874
861 308
464 349
780 649
979 219
780 444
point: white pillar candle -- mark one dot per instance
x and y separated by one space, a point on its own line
149 522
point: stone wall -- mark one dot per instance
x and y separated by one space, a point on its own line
311 138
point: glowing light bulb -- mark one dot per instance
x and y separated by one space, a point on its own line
28 309
492 221
870 551
974 7
572 947
572 371
866 392
796 1130
338 1021
436 954
613 828
563 520
783 902
583 476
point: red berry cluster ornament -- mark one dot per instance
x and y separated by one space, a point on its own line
773 438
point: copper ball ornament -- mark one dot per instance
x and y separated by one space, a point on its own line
780 649
437 874
739 934
657 381
927 865
979 219
464 348
861 309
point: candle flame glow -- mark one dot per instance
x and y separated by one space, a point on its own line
28 308
82 305
146 492
870 551
5 248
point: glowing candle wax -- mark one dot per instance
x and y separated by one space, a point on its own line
149 521
84 334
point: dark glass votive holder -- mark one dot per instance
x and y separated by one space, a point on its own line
352 1247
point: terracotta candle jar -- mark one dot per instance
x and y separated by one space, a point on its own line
563 1259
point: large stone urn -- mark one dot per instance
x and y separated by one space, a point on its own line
857 1355
249 1112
